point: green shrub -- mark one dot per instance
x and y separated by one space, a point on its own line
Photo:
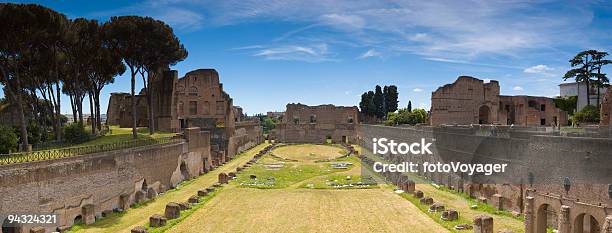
587 114
403 116
8 139
75 133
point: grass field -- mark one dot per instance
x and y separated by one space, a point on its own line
309 153
140 216
307 210
300 200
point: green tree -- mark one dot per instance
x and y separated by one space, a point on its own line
379 102
124 38
160 49
584 65
24 29
371 105
567 104
363 103
589 114
269 124
601 80
391 98
409 106
8 139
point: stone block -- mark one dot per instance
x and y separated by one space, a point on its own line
482 199
89 214
38 229
193 199
483 224
426 200
407 186
157 220
62 229
151 193
139 196
418 194
184 205
139 229
497 201
210 189
124 201
202 193
223 178
173 210
450 215
231 175
436 207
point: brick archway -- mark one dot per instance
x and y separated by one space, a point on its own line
484 113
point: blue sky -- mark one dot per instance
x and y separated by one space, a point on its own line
270 53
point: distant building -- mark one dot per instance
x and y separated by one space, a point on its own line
316 124
579 89
472 101
275 115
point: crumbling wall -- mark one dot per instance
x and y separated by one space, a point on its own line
316 124
535 160
606 109
107 181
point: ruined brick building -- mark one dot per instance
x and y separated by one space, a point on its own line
605 112
316 124
472 101
195 100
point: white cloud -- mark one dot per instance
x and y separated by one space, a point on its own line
370 53
419 37
313 53
444 29
343 21
539 69
517 88
417 90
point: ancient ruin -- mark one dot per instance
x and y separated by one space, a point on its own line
317 124
472 101
195 100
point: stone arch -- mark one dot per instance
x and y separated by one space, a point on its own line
545 217
77 220
10 227
484 114
584 223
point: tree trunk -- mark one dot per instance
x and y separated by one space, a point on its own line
92 116
73 105
59 133
16 95
133 100
79 103
97 104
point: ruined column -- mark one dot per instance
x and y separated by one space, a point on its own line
565 225
607 226
89 214
483 224
529 217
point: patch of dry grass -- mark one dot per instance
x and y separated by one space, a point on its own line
304 210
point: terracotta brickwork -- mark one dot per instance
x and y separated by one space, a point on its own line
472 101
316 124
